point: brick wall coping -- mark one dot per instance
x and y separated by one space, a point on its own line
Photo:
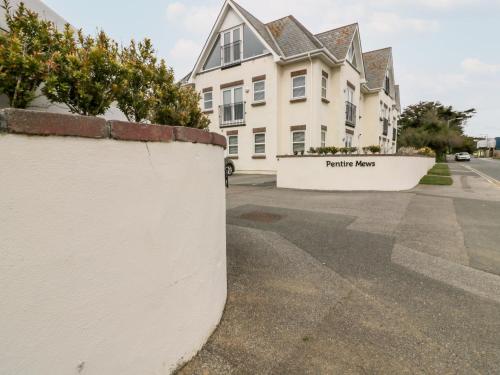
28 122
353 155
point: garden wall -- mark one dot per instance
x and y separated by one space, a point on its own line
352 172
112 246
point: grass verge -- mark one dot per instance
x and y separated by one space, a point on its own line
436 180
439 169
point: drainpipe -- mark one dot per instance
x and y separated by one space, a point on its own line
311 117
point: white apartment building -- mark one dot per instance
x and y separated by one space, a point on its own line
276 88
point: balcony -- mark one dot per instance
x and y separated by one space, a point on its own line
386 127
350 114
231 54
232 114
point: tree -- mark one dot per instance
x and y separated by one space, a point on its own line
85 73
430 124
25 51
179 106
141 76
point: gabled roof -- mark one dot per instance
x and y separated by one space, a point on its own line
258 26
397 95
292 37
376 64
338 40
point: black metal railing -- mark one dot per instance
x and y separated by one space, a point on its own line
350 114
231 53
394 133
386 127
232 114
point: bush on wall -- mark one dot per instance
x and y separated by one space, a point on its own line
25 52
84 73
88 74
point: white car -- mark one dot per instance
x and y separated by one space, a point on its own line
462 156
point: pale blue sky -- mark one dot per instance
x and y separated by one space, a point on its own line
446 50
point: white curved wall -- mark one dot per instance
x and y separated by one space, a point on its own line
390 173
112 254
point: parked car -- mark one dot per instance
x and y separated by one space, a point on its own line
229 166
465 156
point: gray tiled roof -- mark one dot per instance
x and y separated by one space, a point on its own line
292 37
376 63
338 41
259 26
397 94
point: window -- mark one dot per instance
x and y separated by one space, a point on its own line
324 81
323 138
298 141
231 46
351 55
387 84
233 144
207 100
299 87
232 106
259 143
348 140
259 91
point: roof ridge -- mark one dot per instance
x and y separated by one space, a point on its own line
278 19
306 31
337 28
377 50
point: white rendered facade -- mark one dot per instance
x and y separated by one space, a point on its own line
268 102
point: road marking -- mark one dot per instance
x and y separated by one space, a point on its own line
490 179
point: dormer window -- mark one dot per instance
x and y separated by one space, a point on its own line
231 46
351 55
387 84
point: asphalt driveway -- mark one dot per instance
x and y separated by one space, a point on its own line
378 283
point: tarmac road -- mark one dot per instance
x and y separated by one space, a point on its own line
360 283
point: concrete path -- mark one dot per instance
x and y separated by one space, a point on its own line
360 283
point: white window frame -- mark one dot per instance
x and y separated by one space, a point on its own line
293 143
211 101
323 138
351 54
231 41
304 86
324 86
348 140
257 91
232 103
255 143
229 144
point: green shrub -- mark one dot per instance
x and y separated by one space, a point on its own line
374 149
85 73
25 54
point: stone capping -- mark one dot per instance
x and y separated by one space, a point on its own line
231 84
297 127
259 130
298 73
232 132
28 122
259 78
207 89
352 155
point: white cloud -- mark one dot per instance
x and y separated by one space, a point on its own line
389 22
183 55
476 66
193 19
